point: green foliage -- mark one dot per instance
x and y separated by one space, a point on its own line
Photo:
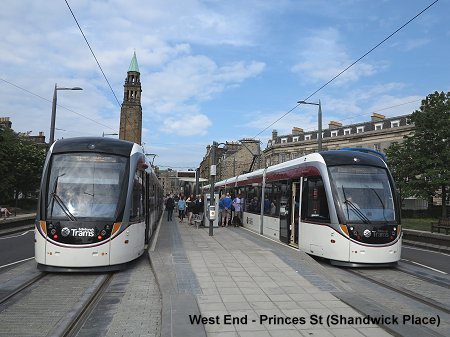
420 165
21 162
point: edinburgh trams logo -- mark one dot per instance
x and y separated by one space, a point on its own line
65 231
77 232
367 233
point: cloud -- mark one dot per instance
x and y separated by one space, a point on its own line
187 125
322 57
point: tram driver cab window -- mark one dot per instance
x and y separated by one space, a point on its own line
314 201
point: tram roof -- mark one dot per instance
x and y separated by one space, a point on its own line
99 144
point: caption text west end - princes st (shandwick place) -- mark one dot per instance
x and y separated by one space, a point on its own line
329 320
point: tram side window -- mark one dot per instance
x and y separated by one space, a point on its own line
314 200
253 199
272 198
137 209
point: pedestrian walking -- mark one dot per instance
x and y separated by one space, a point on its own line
170 205
190 204
181 208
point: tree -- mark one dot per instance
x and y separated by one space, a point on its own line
420 165
21 162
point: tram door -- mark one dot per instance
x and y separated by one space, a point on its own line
295 207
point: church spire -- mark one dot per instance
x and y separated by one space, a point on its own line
134 64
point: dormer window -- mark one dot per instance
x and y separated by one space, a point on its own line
347 131
379 126
334 133
395 124
307 137
295 139
360 129
283 140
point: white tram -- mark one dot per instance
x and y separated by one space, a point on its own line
339 205
99 204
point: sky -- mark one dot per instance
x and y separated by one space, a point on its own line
217 70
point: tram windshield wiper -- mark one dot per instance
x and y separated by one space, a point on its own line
57 198
63 206
381 202
357 211
354 208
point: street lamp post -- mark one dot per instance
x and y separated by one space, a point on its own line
319 121
52 126
212 172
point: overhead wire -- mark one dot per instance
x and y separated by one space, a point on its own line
61 106
351 65
98 63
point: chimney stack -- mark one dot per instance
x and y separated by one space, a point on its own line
274 134
334 125
377 117
297 131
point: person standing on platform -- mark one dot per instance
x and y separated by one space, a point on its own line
237 220
170 205
220 215
226 214
181 208
190 208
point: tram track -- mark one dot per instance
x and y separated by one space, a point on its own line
23 286
71 324
63 301
402 290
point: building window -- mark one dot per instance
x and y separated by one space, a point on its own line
307 137
283 140
377 147
408 121
379 126
334 133
295 139
347 131
360 129
395 124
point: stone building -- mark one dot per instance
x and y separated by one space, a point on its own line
39 139
232 159
131 111
168 179
378 134
5 122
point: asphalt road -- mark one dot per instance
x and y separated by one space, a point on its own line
16 247
437 261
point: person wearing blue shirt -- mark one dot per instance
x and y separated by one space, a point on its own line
226 216
181 208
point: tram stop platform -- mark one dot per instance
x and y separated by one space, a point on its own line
238 283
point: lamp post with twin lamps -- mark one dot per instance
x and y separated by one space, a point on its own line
319 134
52 126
